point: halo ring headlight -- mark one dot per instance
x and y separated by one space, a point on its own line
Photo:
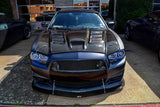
39 57
116 56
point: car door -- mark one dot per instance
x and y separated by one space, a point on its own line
18 27
9 37
11 34
149 34
3 30
137 28
150 29
14 33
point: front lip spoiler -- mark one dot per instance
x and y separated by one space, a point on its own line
83 92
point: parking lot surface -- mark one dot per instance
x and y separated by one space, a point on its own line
142 82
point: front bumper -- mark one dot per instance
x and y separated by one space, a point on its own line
72 92
114 79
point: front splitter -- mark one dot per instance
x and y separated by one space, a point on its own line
82 92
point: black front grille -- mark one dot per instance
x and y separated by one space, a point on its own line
78 81
79 65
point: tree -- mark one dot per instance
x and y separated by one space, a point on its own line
131 9
111 8
5 7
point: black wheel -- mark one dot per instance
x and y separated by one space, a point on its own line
27 32
127 33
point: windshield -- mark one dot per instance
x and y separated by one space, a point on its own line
76 20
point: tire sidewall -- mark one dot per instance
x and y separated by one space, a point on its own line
127 33
27 32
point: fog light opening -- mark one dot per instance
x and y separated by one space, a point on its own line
55 66
100 65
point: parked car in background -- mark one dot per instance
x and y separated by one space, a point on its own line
46 16
145 30
12 30
44 19
78 55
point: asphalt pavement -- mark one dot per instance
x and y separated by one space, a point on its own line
142 82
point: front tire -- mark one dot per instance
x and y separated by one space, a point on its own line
127 34
27 32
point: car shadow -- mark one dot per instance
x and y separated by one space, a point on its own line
16 88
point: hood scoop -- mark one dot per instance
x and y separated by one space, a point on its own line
77 42
78 39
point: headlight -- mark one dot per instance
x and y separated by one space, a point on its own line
39 57
3 26
116 56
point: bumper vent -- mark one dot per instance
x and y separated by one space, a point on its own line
70 82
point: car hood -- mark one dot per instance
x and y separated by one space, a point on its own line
87 40
78 40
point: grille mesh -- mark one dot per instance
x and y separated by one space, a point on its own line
78 65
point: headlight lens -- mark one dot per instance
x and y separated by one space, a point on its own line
116 56
3 26
39 57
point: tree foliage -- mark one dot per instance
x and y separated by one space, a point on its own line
5 7
131 9
111 9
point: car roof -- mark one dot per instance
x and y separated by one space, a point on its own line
77 10
157 11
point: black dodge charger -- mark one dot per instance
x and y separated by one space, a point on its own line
78 55
145 30
12 30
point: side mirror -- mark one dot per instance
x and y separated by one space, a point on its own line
111 24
